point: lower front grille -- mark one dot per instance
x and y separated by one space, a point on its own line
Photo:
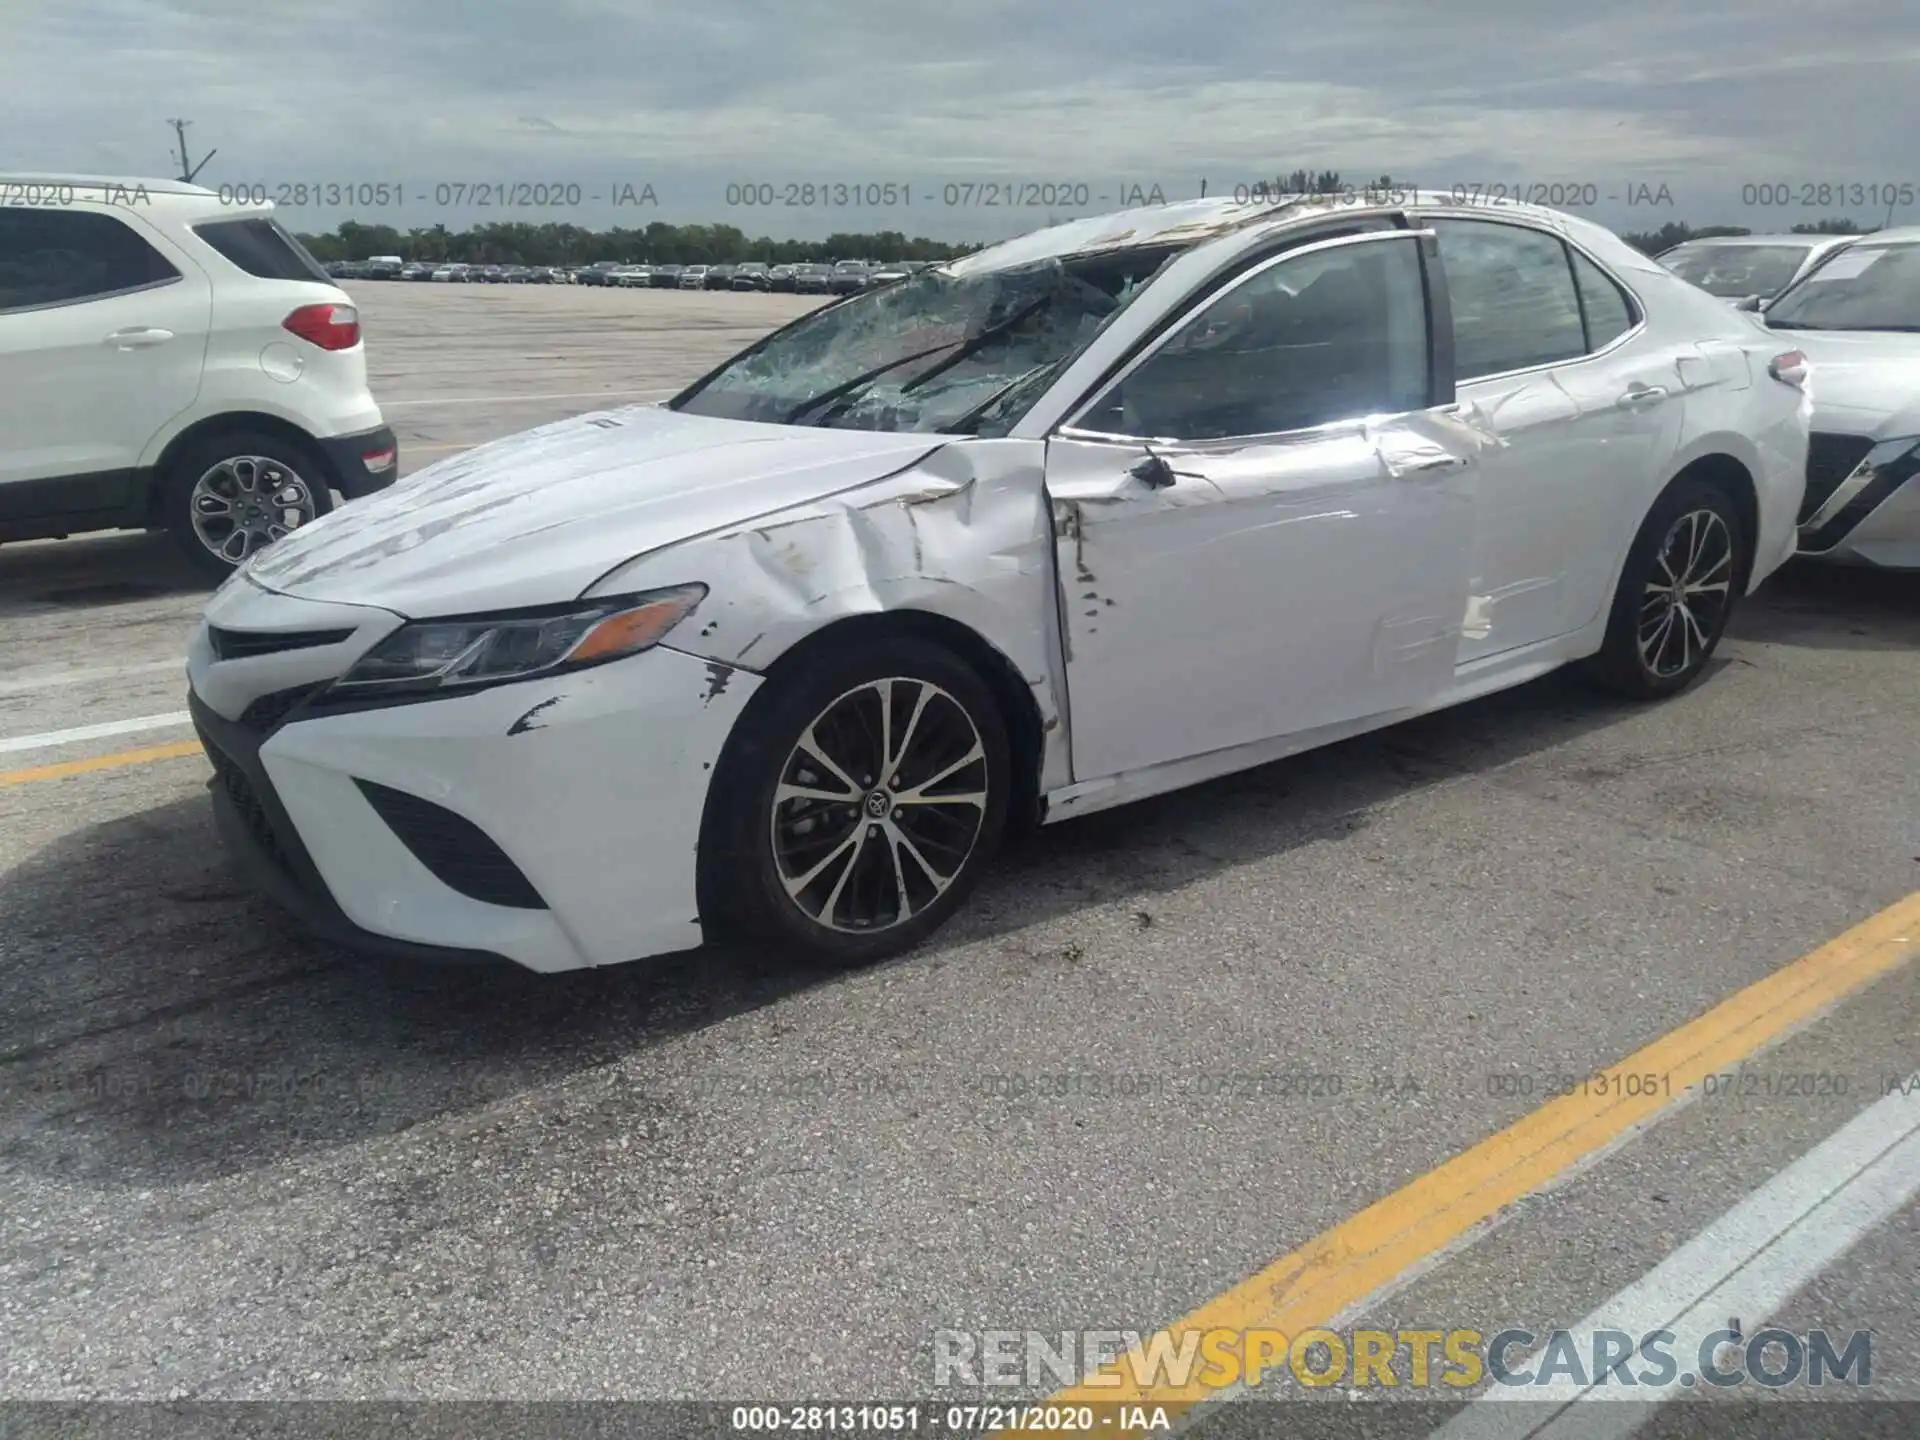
1831 459
457 852
233 780
269 710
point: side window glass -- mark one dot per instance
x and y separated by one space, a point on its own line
1513 298
53 257
1609 314
1333 335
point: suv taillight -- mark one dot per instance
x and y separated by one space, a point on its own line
1789 369
331 327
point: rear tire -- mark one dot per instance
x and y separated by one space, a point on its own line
817 840
1677 591
229 495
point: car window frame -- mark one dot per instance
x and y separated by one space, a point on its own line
1568 247
315 271
178 277
1636 313
1440 388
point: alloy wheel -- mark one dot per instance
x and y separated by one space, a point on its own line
1686 595
246 502
879 805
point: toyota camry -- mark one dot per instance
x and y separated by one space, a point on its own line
1105 510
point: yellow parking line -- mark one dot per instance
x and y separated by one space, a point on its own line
1328 1276
175 751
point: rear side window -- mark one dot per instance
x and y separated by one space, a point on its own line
262 248
1609 312
57 257
1514 303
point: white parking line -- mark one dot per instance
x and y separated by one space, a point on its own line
1741 1268
518 399
50 679
47 739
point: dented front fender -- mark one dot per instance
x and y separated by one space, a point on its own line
964 534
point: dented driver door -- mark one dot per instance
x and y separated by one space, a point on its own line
1293 546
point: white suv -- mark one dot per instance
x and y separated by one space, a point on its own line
171 360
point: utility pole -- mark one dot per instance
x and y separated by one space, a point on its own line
187 169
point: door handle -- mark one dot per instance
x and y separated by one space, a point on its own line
138 338
1638 394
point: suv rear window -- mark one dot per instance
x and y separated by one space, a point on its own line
57 257
262 248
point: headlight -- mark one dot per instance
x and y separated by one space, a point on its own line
435 655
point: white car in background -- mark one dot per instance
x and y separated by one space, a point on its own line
1109 509
1749 268
1857 319
170 360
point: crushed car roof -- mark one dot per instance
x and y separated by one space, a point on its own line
1179 222
1190 222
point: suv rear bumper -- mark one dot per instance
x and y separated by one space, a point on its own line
365 462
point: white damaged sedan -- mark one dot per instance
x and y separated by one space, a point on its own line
1092 514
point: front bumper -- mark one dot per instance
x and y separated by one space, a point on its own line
263 841
364 462
590 785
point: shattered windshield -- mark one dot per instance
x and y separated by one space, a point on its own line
933 352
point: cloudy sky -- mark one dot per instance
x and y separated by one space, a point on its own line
1720 102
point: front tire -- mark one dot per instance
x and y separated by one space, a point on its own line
229 495
857 803
1677 592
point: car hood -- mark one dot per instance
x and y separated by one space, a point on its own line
538 517
1863 383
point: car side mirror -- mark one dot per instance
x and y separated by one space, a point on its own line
1153 472
1750 302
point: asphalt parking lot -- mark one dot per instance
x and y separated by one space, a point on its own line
1164 1047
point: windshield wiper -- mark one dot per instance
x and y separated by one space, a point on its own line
847 387
984 338
973 417
846 391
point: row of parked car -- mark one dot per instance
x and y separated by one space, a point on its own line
843 277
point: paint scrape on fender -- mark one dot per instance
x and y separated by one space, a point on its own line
527 721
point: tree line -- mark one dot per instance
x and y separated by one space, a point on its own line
660 243
1678 232
656 244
